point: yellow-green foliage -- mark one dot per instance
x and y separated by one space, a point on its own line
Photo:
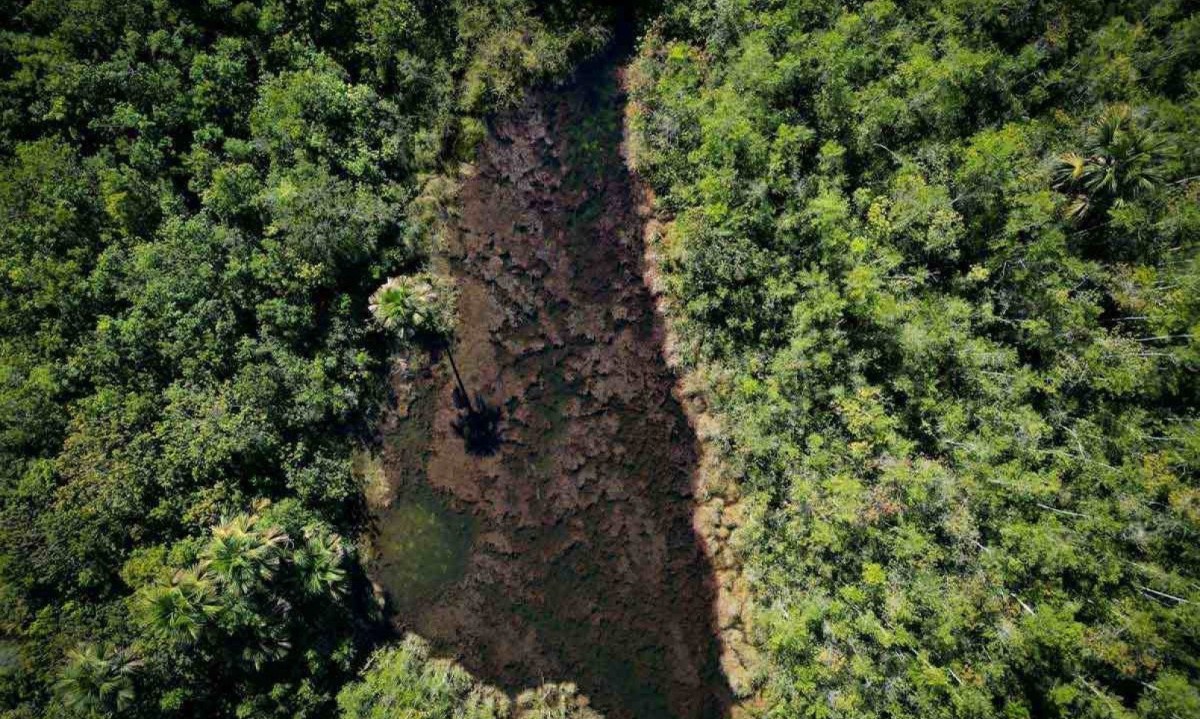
509 47
942 258
404 681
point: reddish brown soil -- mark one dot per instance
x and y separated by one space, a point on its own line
584 566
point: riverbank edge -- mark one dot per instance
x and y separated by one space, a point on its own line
720 511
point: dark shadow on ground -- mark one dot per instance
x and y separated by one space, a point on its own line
582 565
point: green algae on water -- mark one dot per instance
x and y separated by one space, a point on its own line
422 547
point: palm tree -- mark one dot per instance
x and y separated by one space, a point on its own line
96 682
414 306
319 563
1122 161
179 611
419 305
266 637
422 306
241 555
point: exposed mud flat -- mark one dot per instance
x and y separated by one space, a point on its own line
583 563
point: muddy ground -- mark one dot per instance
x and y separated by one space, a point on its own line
570 554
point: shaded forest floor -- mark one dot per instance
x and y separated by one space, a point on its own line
570 554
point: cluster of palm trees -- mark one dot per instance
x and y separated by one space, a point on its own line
243 579
238 595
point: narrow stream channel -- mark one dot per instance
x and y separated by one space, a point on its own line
569 555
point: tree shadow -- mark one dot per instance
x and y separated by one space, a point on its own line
477 423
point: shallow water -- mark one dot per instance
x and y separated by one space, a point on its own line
422 545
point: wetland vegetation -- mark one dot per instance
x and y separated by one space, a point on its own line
820 358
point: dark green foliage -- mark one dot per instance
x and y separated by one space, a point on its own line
96 682
939 262
229 611
196 201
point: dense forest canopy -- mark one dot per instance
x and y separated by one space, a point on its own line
935 262
196 201
938 261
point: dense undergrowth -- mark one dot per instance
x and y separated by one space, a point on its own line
938 263
196 201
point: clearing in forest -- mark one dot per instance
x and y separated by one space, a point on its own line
569 554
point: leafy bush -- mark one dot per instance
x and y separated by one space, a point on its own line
403 680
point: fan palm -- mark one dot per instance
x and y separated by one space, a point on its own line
178 612
1123 161
415 305
96 681
269 641
241 555
319 563
554 701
